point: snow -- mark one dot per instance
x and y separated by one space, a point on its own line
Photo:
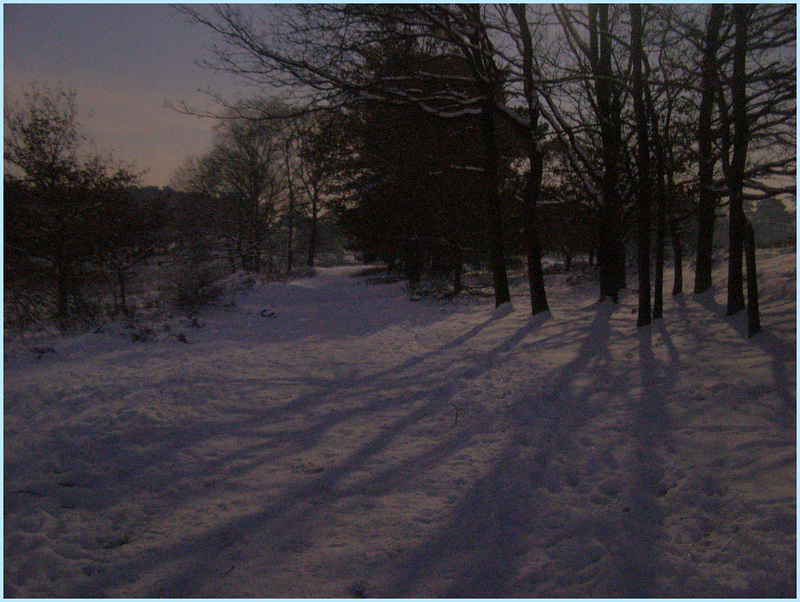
349 442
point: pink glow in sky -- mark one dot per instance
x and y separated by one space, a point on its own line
124 61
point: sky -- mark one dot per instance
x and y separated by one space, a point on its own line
124 61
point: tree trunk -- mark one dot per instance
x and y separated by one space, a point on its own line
312 235
661 196
121 280
677 256
533 187
643 166
497 257
735 256
753 314
736 183
412 262
290 233
658 294
611 252
533 245
458 268
250 240
63 288
706 196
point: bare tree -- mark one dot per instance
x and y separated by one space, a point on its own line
320 144
741 15
58 196
643 163
761 115
243 175
663 93
510 73
322 51
533 187
606 92
707 194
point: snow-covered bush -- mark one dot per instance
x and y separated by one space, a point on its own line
195 285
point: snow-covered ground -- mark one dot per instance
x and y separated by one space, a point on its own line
329 437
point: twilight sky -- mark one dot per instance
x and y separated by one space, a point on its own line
124 61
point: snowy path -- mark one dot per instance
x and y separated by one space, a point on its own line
354 443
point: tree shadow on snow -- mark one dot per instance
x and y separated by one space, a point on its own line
282 520
780 351
651 434
482 551
512 510
537 500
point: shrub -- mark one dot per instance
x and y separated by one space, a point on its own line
195 286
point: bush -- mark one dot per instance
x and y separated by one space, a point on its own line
25 309
195 286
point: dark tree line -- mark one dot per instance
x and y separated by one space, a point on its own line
648 119
258 194
69 216
79 228
444 134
